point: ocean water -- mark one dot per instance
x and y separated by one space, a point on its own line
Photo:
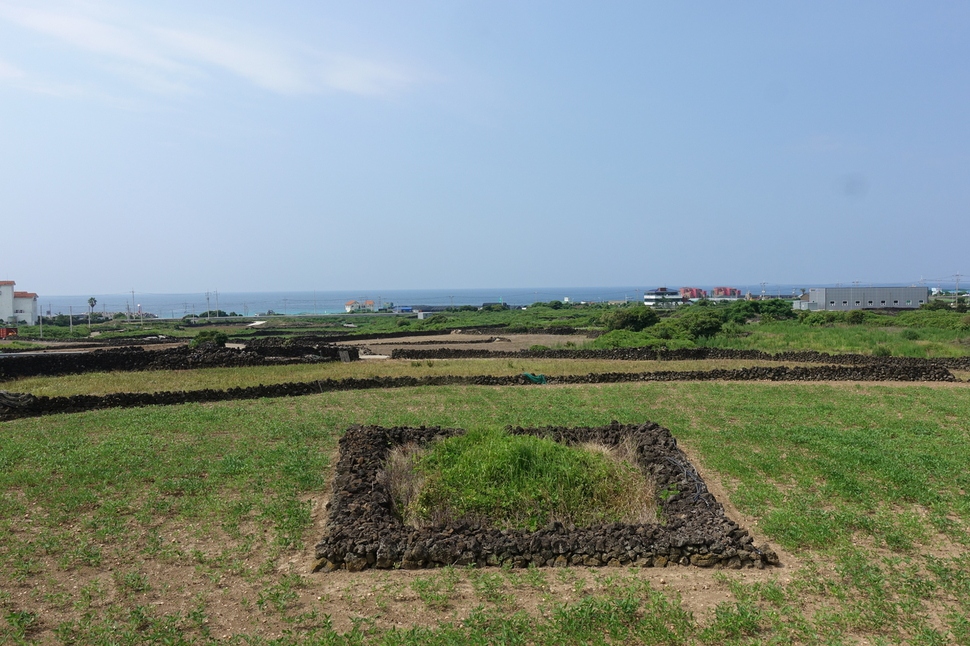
322 302
332 302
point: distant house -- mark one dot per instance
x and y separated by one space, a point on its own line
726 292
360 306
17 307
662 298
692 293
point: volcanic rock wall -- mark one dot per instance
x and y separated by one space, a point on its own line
180 358
363 529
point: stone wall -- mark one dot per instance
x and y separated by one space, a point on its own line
364 531
34 406
178 358
688 354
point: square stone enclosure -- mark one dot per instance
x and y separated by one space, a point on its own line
363 530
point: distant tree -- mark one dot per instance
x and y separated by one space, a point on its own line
210 337
740 311
701 322
92 302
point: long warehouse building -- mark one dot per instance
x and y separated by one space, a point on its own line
842 299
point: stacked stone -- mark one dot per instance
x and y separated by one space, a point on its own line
363 529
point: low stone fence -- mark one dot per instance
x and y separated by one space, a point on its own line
363 530
33 406
179 358
688 354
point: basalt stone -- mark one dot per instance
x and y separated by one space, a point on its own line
354 563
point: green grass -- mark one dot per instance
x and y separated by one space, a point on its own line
521 481
6 346
150 525
779 336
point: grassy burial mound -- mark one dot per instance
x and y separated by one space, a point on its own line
465 519
519 481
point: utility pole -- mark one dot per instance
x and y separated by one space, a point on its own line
208 310
217 302
763 290
70 309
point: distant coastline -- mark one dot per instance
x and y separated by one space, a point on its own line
332 302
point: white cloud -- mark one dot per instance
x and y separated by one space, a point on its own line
363 77
10 72
267 67
177 61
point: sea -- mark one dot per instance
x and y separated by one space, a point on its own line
322 302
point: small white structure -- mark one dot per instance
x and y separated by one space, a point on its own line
357 306
17 307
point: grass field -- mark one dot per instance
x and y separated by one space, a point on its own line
223 378
779 336
191 524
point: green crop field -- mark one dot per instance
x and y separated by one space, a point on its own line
195 524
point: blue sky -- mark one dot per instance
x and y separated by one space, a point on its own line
243 146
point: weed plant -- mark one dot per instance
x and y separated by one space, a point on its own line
519 481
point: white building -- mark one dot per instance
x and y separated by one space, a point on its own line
662 298
844 299
17 307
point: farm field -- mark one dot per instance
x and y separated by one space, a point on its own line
223 378
196 523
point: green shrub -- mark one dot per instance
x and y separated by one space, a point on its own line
210 337
700 322
732 330
909 334
776 307
741 311
855 317
881 351
821 318
635 318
